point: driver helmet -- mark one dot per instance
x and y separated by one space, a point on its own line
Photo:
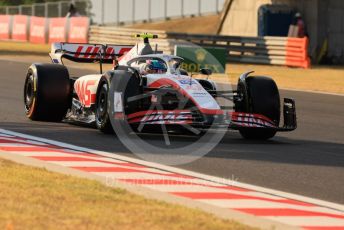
155 66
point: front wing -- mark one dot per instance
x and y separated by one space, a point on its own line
222 119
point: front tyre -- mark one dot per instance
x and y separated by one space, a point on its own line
103 122
127 82
260 95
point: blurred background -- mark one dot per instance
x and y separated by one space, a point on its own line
115 11
321 21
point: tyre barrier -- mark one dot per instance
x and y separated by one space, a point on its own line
20 28
5 27
38 30
57 30
44 30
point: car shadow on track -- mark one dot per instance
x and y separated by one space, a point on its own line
232 146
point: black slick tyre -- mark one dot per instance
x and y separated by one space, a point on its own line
125 81
260 96
47 92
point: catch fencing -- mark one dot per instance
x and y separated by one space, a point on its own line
118 12
48 9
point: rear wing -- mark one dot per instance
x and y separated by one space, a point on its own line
87 53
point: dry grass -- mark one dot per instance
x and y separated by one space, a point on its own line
203 25
32 198
321 79
23 47
325 79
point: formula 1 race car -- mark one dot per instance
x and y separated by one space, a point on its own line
150 90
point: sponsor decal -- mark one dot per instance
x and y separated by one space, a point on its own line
196 58
57 32
83 90
78 32
78 29
187 81
193 67
92 51
19 29
170 116
118 105
199 94
195 87
3 28
200 55
251 120
5 21
57 29
37 31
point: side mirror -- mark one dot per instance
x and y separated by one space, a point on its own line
206 71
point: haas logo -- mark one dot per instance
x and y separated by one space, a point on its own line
92 51
84 90
37 31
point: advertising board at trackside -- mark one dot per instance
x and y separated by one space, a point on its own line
196 58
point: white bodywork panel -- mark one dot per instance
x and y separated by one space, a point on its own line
189 87
86 89
86 86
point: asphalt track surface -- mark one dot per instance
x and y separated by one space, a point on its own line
308 161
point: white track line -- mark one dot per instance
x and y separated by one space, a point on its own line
81 163
318 202
313 91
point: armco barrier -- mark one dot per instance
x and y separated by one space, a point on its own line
57 30
38 30
78 29
5 27
124 36
20 28
261 50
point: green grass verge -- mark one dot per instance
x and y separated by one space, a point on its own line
34 198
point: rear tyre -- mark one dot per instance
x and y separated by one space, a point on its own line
261 96
47 92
